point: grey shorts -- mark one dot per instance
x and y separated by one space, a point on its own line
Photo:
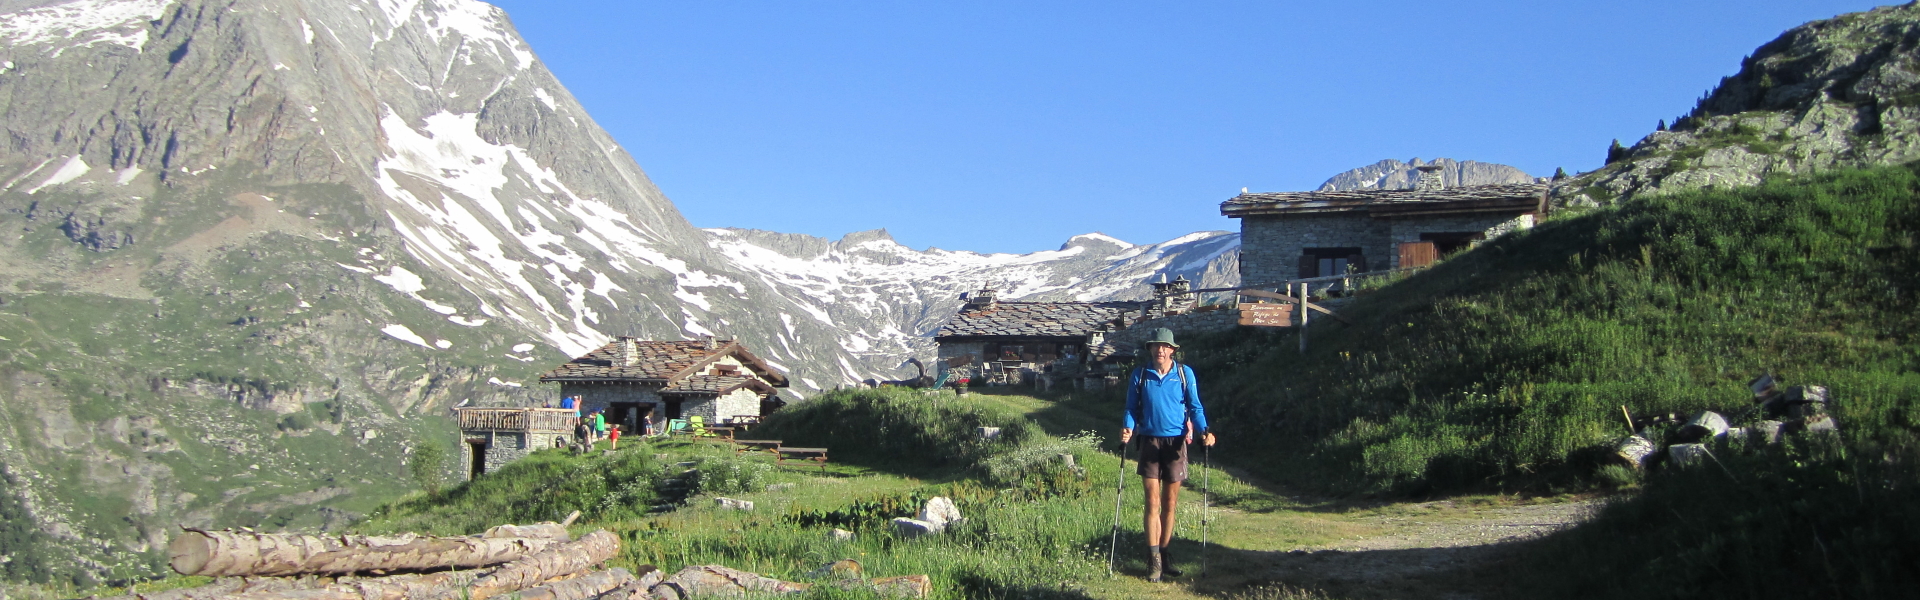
1164 458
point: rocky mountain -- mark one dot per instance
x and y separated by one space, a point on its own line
886 299
1392 174
251 250
1833 93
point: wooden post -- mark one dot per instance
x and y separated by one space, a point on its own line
1303 316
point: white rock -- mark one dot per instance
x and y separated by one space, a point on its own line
840 535
989 433
940 511
914 527
732 504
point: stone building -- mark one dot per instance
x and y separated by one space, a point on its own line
1013 342
1291 235
633 379
497 436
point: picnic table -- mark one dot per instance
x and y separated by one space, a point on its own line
772 446
818 455
724 433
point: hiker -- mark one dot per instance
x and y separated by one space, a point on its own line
1161 402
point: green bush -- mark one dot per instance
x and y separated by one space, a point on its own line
545 486
898 428
730 475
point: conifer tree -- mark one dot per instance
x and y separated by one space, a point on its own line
1616 152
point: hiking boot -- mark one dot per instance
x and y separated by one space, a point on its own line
1166 564
1153 566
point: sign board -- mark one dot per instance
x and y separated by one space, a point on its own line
1266 315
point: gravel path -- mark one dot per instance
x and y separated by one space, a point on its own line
1423 551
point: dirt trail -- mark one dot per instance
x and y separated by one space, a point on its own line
1420 550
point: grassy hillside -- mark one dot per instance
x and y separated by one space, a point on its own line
1507 367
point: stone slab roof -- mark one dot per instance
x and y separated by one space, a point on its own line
1522 197
1035 319
659 362
708 385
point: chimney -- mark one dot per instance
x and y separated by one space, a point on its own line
1431 178
980 300
628 353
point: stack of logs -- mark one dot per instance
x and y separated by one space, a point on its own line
1783 412
530 562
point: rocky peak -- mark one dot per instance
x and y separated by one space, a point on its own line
1392 174
1838 92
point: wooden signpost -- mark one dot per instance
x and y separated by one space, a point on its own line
1266 315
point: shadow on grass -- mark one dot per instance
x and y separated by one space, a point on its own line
1224 572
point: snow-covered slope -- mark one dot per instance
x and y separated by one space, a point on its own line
886 298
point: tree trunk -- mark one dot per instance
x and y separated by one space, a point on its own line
584 587
395 587
224 553
226 587
561 559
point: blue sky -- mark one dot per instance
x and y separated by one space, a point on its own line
1010 126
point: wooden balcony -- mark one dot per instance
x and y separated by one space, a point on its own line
515 419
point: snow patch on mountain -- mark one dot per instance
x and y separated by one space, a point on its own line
83 24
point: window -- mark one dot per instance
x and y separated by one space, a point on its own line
1327 262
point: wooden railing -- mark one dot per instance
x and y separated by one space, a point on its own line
515 419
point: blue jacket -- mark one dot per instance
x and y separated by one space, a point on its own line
1155 406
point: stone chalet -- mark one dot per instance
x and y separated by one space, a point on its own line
634 379
1292 235
1014 342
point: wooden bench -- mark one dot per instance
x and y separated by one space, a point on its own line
818 455
772 446
720 433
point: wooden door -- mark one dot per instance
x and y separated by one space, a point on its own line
1418 254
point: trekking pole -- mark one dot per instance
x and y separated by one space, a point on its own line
1206 491
1113 542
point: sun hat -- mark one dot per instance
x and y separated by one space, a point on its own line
1163 336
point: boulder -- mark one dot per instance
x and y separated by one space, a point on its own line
732 504
940 511
912 528
1705 425
989 433
840 535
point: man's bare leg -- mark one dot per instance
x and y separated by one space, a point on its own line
1167 512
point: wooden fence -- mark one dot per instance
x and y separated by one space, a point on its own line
515 419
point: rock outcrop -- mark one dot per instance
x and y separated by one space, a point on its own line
1841 92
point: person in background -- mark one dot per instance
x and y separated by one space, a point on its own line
581 433
599 425
613 438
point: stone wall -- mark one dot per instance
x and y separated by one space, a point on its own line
503 447
1270 246
1490 226
1181 324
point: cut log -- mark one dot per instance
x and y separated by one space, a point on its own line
546 531
1634 450
394 587
230 553
904 586
556 561
1683 455
226 587
1705 425
638 589
584 587
715 580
